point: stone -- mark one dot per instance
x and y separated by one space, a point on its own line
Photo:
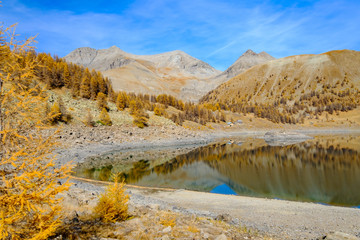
340 236
221 237
167 229
223 217
205 235
165 237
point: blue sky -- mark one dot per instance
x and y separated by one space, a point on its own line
215 31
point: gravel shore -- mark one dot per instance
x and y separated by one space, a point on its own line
277 218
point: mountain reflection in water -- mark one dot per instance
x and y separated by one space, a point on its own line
325 170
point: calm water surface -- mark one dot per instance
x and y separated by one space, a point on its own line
325 170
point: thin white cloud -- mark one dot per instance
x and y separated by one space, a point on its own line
212 30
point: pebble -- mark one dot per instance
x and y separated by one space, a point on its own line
167 229
221 237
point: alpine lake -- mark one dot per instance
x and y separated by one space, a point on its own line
325 169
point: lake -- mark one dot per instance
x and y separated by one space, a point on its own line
324 170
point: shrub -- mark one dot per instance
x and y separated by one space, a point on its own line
112 204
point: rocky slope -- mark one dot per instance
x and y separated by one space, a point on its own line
174 73
332 75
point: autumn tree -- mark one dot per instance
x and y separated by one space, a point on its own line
93 88
113 203
135 106
66 75
55 115
101 101
29 204
157 111
104 118
88 121
85 87
121 101
140 118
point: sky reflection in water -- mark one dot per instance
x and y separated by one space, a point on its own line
324 170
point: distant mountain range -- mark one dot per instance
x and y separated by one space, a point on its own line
175 73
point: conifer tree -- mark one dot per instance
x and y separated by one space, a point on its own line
66 75
101 83
85 87
135 106
112 205
65 115
101 101
29 204
89 119
94 87
55 114
121 101
140 118
105 118
76 82
157 111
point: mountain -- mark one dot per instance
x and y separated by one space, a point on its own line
175 73
243 63
155 74
328 81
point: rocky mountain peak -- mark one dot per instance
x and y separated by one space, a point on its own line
246 61
249 52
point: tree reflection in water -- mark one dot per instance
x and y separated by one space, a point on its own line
317 170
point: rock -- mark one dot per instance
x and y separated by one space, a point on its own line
223 217
165 237
205 235
340 236
155 207
167 229
221 237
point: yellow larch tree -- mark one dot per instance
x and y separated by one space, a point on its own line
29 204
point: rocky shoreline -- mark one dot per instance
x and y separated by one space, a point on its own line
266 216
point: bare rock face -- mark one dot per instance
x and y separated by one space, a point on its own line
82 56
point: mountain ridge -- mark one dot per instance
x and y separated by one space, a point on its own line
176 72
